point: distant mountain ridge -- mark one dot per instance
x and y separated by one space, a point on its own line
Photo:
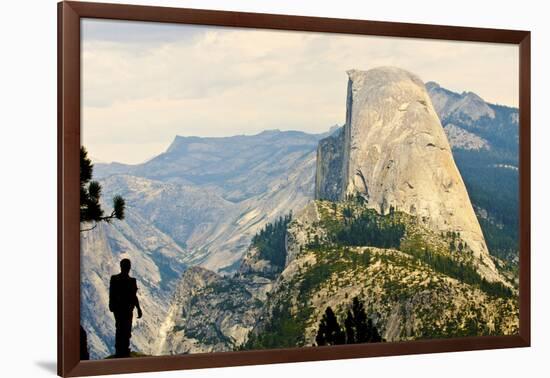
451 104
497 124
238 167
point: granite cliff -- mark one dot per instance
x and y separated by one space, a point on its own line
393 151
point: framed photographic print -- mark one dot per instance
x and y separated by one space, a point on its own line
255 188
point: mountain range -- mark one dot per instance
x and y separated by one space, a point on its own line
192 213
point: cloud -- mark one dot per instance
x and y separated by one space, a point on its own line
137 32
214 81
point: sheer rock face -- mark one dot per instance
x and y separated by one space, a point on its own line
395 153
330 154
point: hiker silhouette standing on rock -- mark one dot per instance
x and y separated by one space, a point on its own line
122 300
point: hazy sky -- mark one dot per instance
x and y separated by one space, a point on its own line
144 83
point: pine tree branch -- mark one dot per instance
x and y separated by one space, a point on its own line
108 218
89 229
102 219
114 215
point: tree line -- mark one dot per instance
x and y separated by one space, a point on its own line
368 228
270 241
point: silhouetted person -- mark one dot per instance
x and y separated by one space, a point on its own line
122 300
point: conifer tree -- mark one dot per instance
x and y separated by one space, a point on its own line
372 333
347 213
358 321
350 331
359 328
90 194
330 332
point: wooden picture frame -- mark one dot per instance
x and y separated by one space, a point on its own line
69 96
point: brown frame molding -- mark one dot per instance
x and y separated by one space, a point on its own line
69 15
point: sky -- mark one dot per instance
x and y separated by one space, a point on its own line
144 83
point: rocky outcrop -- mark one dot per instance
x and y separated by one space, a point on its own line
253 263
214 313
301 230
209 313
396 154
